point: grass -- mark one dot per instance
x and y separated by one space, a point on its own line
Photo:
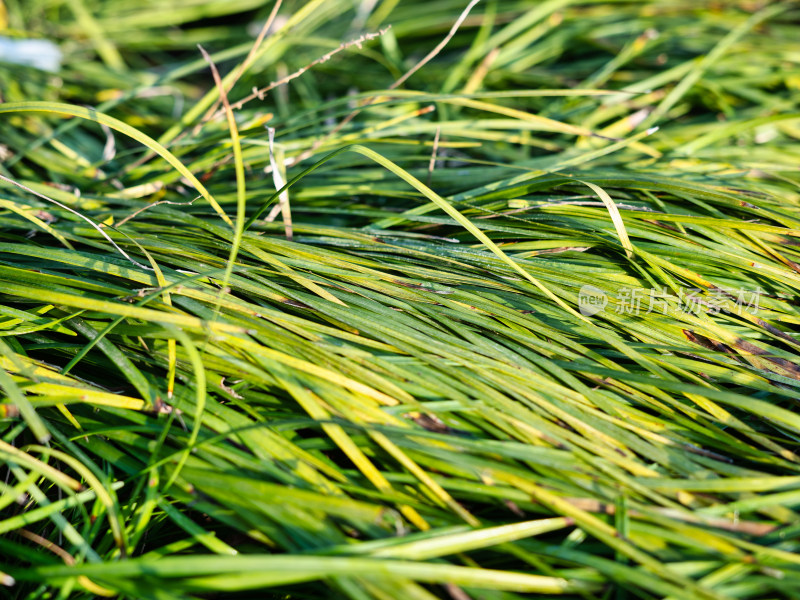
359 360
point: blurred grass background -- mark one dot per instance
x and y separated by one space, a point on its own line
398 396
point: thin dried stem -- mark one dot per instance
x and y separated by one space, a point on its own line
63 555
432 54
144 208
214 111
47 545
259 93
439 47
76 213
477 77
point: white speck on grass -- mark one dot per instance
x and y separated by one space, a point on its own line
40 54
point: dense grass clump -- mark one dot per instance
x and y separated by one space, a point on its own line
401 300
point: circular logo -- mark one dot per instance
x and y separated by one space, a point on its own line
591 300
